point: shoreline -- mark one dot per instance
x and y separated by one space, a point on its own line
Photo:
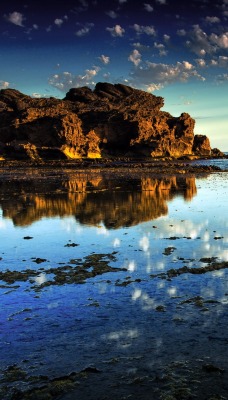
161 166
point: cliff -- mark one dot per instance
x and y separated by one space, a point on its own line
111 120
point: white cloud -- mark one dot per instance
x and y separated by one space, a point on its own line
37 95
153 86
117 30
111 14
220 41
212 20
4 84
201 44
140 46
106 76
223 61
222 78
166 37
104 59
201 62
58 22
16 18
160 74
181 32
213 63
161 1
66 80
135 57
84 5
141 29
35 26
84 30
161 48
187 65
148 7
202 52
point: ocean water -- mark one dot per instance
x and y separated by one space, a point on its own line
218 162
91 274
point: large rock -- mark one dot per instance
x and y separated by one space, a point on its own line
201 145
111 120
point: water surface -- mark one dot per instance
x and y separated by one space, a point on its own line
86 282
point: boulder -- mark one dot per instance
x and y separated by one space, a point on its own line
201 145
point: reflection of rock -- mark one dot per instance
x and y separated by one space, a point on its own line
112 119
130 207
190 190
93 199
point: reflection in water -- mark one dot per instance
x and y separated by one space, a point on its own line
93 199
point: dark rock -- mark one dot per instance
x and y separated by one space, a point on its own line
83 95
111 120
216 153
201 145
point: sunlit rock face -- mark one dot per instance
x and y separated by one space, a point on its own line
93 200
111 120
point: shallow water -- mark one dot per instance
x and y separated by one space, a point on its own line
218 162
93 253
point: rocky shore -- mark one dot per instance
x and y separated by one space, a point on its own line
164 166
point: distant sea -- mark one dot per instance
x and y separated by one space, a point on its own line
219 162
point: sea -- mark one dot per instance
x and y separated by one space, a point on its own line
218 162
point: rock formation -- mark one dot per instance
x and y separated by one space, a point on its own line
111 120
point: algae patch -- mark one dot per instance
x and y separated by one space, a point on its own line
76 272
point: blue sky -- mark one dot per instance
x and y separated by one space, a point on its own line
178 50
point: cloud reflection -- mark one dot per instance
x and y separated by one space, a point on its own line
116 242
131 266
40 279
144 243
123 337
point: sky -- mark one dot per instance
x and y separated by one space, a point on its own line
171 48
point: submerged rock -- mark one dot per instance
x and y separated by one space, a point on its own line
111 120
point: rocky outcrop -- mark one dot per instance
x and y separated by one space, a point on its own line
201 145
111 120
